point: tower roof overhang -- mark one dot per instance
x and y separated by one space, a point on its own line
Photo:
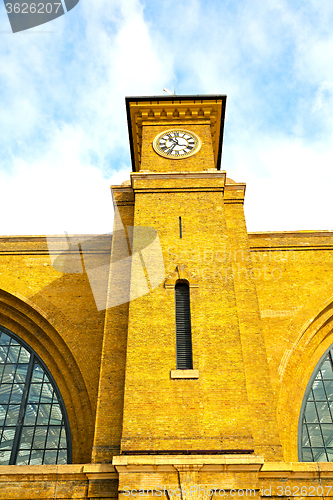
175 109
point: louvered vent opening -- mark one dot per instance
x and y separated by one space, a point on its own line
183 327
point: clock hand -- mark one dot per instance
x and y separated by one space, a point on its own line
171 139
171 148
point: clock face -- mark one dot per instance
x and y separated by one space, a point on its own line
176 144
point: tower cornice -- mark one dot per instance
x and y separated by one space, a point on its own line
178 110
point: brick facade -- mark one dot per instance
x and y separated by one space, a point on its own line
261 318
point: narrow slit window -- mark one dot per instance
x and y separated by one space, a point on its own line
183 327
180 228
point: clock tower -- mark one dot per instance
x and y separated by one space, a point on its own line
196 379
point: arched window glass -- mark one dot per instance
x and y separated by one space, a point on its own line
183 327
33 423
316 421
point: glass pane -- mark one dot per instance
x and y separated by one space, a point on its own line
62 457
34 393
24 356
318 390
21 373
6 444
3 353
17 393
310 412
63 439
23 457
305 436
53 437
7 437
323 412
43 414
8 374
26 437
329 452
47 393
50 457
4 457
13 342
30 414
5 390
315 435
40 438
4 339
311 396
38 374
326 370
319 455
56 415
3 410
13 354
307 455
12 415
36 457
327 430
329 389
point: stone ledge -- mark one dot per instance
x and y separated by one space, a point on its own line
184 374
223 462
296 470
66 472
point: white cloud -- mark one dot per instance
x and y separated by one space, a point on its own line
58 192
62 112
293 191
65 137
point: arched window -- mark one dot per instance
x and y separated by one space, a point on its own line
183 327
33 422
316 419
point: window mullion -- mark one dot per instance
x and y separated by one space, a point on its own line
18 431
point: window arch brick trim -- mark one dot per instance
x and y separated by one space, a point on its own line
181 273
310 334
29 325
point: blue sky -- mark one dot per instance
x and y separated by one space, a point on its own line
63 127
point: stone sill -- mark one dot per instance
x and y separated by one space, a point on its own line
184 374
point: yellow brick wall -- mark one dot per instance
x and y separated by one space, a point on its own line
293 276
261 315
108 427
231 405
210 412
55 313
